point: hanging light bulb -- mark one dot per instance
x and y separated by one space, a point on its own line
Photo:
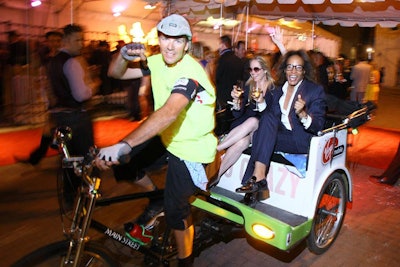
35 3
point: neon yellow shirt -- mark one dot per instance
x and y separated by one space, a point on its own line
190 137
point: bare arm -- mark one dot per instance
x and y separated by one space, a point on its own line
277 38
158 121
119 69
81 89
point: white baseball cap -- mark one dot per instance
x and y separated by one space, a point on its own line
175 25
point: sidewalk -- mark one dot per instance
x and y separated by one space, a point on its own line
387 116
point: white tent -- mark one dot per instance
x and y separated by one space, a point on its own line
97 15
254 30
365 13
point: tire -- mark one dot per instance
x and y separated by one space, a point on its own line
51 255
329 214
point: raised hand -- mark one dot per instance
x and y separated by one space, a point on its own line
299 106
133 51
276 35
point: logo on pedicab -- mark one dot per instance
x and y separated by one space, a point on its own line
329 149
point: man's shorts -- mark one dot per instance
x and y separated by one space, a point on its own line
153 156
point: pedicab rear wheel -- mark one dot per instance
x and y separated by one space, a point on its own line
329 214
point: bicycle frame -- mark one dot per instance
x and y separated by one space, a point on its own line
83 212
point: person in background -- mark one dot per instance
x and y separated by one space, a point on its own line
240 52
184 100
197 51
100 59
50 50
229 70
392 173
337 84
205 57
360 78
320 66
16 58
372 92
72 89
297 114
211 57
382 75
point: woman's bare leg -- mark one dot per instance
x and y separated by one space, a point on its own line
237 133
233 153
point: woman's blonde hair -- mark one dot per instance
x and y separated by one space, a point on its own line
265 66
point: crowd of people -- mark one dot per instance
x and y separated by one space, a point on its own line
274 102
23 57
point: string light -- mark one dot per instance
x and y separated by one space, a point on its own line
35 3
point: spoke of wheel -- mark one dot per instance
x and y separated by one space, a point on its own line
327 224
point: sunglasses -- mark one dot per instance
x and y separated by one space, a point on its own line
256 69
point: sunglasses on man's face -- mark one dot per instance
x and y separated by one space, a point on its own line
256 69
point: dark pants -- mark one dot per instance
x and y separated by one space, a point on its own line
132 88
273 136
393 170
82 139
179 187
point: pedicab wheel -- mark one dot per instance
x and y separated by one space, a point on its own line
329 214
94 255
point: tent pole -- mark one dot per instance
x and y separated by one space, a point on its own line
72 11
247 24
312 35
220 16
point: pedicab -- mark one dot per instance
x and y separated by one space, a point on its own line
308 193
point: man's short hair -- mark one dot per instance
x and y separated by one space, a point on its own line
72 28
239 43
226 40
53 33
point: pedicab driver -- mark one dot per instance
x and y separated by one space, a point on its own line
184 103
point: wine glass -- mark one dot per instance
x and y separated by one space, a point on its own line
239 92
255 93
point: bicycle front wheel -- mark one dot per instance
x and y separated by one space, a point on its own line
54 255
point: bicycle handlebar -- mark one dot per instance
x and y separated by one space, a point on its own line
82 165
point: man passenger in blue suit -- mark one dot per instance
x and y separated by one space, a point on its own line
296 115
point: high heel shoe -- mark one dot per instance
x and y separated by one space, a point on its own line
213 181
252 186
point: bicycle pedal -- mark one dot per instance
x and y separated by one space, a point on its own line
138 233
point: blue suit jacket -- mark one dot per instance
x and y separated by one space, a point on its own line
273 136
314 96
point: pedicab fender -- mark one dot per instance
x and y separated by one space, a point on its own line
330 158
287 229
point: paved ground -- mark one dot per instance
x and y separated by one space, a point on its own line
369 236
